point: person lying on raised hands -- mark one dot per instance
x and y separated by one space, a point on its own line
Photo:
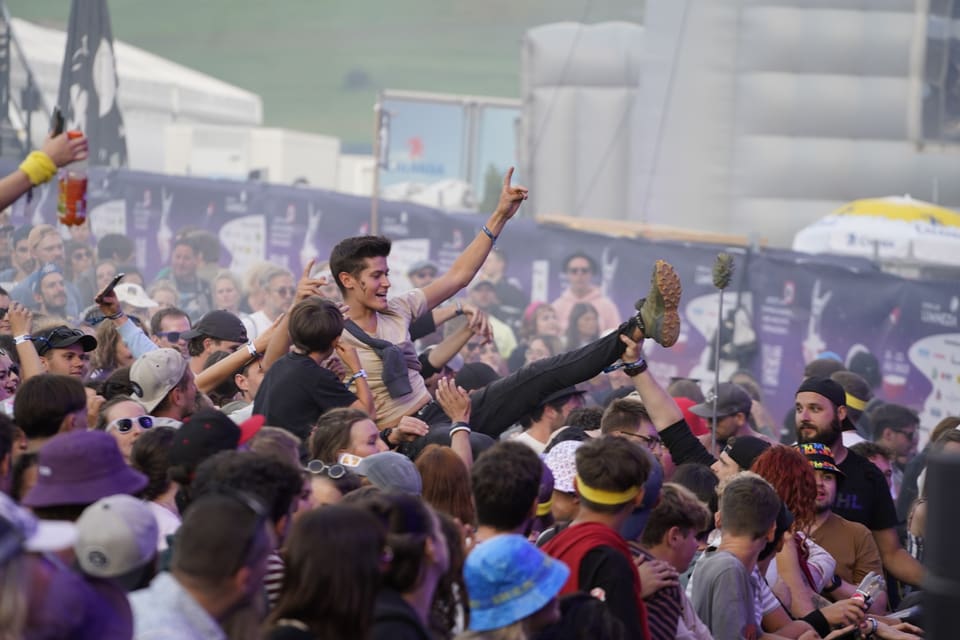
40 166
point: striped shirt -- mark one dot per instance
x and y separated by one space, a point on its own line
663 607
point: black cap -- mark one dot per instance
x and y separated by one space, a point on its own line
203 434
62 337
744 450
221 325
563 394
731 399
475 375
832 391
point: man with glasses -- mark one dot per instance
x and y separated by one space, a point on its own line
5 329
167 326
579 270
279 288
628 418
217 331
548 418
63 350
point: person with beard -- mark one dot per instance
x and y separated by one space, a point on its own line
821 415
50 291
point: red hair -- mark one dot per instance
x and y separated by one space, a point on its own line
792 476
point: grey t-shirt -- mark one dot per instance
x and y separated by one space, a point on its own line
723 598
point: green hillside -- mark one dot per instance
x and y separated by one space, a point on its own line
318 63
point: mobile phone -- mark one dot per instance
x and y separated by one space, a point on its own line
113 283
57 121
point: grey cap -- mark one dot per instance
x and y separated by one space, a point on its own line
391 471
731 399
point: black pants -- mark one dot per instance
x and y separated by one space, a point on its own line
503 402
500 404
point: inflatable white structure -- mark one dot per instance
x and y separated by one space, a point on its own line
747 115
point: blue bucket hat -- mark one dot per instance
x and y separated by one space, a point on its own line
508 579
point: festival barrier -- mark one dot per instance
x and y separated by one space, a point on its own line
796 305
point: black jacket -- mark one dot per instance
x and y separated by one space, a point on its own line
394 619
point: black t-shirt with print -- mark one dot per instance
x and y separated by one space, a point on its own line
863 495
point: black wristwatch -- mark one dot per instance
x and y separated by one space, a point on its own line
833 586
385 436
636 368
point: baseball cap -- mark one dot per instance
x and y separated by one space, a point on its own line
130 293
820 457
79 468
744 450
475 375
115 535
391 471
509 579
21 531
832 391
219 324
203 434
44 271
562 394
731 399
562 462
61 337
157 372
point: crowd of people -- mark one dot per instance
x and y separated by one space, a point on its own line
195 454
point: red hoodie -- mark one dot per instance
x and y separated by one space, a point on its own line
573 543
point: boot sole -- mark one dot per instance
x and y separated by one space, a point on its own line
666 285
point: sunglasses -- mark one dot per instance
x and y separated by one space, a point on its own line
652 442
124 425
579 270
332 471
170 336
285 291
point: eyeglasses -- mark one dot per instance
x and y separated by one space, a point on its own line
124 425
579 270
652 442
170 336
285 291
475 346
82 255
332 471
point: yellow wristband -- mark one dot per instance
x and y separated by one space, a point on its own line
39 167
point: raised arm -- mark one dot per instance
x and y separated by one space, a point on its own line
41 165
307 287
468 264
211 377
21 324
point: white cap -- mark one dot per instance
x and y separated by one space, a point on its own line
115 535
132 294
157 372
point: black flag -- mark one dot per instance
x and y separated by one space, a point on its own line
88 83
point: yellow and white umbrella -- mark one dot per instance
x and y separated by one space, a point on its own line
896 228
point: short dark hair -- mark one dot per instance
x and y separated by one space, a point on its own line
115 246
169 312
584 256
536 414
623 414
685 388
220 535
349 256
611 464
892 416
314 324
506 484
702 481
587 418
749 506
150 456
332 433
275 482
678 507
43 401
869 449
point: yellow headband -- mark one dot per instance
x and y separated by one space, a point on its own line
601 496
856 403
544 508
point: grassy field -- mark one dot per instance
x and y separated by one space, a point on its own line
318 63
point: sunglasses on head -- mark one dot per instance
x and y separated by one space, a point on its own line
123 425
332 471
56 336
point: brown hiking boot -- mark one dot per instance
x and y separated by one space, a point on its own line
657 316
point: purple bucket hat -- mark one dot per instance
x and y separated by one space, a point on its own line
80 467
